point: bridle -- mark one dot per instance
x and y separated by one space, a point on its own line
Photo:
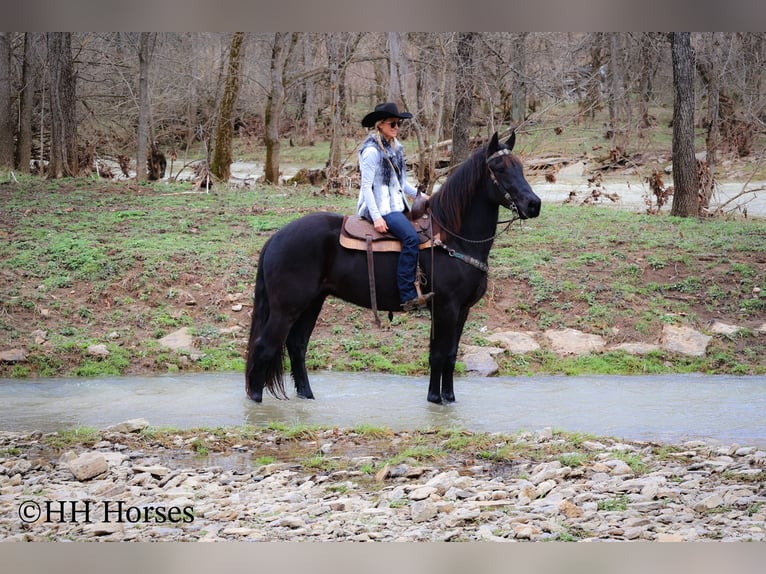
511 205
507 196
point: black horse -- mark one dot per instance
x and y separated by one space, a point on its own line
303 263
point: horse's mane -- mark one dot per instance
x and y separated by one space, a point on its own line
454 196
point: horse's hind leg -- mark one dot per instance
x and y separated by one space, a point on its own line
297 344
265 359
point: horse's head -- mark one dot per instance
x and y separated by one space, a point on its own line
511 188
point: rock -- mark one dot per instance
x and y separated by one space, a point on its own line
570 510
129 426
574 342
156 470
479 359
231 330
514 342
99 350
720 328
422 493
88 465
526 531
13 356
423 510
180 340
684 340
708 502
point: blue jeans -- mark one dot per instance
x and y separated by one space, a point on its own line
399 225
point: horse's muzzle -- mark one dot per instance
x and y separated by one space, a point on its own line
528 208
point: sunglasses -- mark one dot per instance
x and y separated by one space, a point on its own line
394 123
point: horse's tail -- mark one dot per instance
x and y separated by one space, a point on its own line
269 365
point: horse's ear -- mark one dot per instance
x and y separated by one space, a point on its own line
494 145
511 140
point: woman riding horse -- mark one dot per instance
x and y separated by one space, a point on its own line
303 263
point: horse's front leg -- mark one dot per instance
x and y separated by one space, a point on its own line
448 326
443 356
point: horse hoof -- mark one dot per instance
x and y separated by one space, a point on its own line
450 398
306 396
436 399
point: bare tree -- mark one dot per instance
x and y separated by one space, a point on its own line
519 81
685 177
464 89
26 106
63 104
282 47
6 123
648 63
220 166
341 47
310 90
146 43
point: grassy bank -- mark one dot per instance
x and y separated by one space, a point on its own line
121 265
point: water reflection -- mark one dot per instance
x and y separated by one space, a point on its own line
663 408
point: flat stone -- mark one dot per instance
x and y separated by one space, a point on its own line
515 342
684 340
721 328
88 465
709 502
574 342
479 359
99 350
423 510
422 493
180 340
129 426
13 356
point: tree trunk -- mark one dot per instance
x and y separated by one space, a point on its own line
6 123
310 104
519 89
464 102
24 142
685 177
220 166
63 103
145 44
647 71
281 48
709 66
341 47
395 65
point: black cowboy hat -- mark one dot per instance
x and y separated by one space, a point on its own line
383 111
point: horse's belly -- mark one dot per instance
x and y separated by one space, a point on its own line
348 279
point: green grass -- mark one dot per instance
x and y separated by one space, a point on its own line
613 504
86 436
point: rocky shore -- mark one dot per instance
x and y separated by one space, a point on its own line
132 482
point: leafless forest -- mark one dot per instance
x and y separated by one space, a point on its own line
68 98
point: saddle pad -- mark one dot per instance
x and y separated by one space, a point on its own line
355 229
